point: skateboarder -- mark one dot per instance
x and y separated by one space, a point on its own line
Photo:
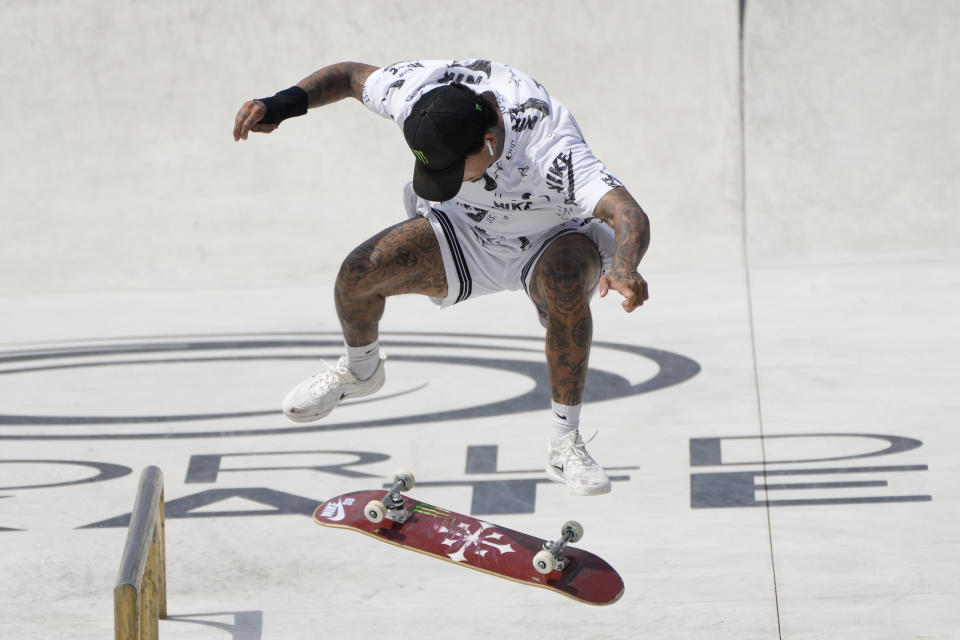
506 195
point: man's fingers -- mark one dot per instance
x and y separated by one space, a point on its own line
640 296
249 115
242 125
634 293
238 124
248 124
603 286
629 298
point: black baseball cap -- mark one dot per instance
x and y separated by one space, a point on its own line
445 125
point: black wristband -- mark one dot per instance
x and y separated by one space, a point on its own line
284 104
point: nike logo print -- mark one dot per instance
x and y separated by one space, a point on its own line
559 416
334 512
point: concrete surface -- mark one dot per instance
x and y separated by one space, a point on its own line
781 412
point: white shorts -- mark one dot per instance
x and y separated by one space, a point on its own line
472 270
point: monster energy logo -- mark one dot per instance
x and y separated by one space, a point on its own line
430 510
421 156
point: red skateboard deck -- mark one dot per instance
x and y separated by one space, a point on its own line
477 544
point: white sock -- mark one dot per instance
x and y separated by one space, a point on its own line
566 418
363 361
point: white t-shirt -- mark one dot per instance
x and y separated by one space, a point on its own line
547 173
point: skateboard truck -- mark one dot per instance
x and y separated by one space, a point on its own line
551 557
392 506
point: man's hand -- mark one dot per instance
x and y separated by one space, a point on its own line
632 228
629 284
251 113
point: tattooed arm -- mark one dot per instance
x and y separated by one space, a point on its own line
336 82
329 84
632 228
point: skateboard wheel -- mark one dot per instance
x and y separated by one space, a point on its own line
375 511
543 562
574 528
405 479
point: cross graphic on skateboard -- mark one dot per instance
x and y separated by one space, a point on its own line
411 524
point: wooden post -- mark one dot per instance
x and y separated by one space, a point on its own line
140 594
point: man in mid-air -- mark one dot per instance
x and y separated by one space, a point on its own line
506 195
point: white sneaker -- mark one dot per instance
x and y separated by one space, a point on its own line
569 463
317 396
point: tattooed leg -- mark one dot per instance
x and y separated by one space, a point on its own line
402 259
561 283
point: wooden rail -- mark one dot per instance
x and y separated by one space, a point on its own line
140 595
